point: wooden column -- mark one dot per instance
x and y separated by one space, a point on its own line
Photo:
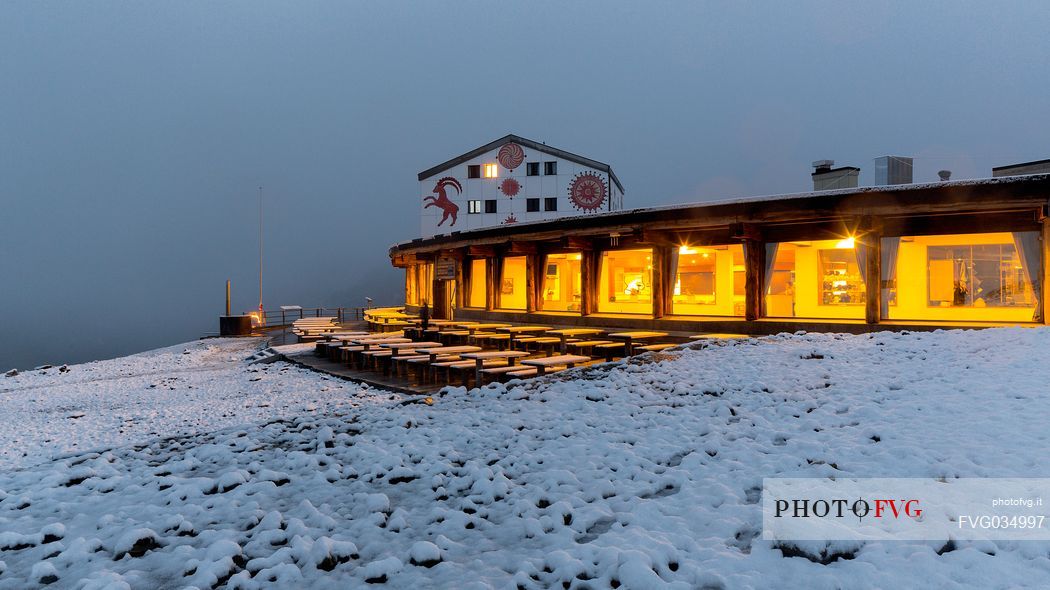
1045 286
754 267
663 281
462 283
589 281
873 277
531 265
493 272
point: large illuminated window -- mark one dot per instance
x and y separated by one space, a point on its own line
962 277
478 283
491 170
815 279
419 286
709 281
562 287
626 282
512 283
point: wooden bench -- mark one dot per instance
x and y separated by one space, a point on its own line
610 349
587 346
568 360
654 347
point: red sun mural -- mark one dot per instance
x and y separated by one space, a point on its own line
510 219
510 187
511 156
587 191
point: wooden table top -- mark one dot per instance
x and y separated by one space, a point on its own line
638 335
516 329
705 336
449 349
379 340
497 354
487 326
576 331
396 345
561 359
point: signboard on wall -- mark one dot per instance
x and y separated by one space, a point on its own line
445 269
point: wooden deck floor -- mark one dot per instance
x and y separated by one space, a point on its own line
373 378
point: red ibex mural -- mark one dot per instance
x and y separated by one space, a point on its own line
441 201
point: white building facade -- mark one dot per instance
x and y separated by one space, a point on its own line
513 180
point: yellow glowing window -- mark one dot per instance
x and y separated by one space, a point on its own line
478 283
625 283
491 171
709 281
562 285
512 283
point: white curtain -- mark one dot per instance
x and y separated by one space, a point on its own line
767 275
860 251
889 246
1028 250
672 275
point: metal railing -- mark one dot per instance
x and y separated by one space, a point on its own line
275 318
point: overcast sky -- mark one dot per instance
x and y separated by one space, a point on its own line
134 135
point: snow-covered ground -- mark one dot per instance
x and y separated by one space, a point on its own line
643 475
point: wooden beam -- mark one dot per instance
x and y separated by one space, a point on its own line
517 248
577 243
754 263
744 231
481 251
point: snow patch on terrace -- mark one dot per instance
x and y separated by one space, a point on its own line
643 475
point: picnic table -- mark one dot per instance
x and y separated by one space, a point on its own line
408 345
716 336
564 334
630 337
472 327
569 360
481 357
515 330
434 351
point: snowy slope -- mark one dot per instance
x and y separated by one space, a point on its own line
191 388
645 475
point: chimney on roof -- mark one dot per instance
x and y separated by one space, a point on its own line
945 175
827 178
893 170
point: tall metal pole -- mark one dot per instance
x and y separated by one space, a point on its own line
260 248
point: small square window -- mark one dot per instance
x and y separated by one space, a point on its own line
550 168
491 170
473 206
532 169
550 204
532 205
490 205
474 171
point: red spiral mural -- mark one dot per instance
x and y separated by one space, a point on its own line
587 191
510 187
511 156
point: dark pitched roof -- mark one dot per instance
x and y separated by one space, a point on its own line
1022 164
525 143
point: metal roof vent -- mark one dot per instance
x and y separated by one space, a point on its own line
945 175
